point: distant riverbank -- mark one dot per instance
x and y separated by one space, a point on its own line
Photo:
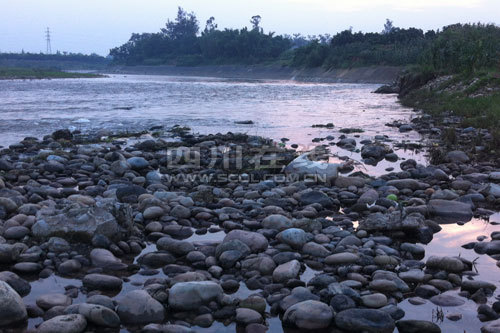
31 73
373 74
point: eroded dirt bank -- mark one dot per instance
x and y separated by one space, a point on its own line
375 74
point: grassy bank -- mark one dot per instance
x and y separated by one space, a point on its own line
474 98
31 73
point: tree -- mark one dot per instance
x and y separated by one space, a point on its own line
325 39
388 27
255 21
210 26
184 26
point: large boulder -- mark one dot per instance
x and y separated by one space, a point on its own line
404 184
138 308
97 281
417 326
63 134
76 224
294 237
70 323
138 163
299 294
375 151
345 182
232 245
491 327
492 189
187 296
58 245
8 205
48 301
302 166
8 253
277 222
308 315
246 316
457 156
490 248
474 285
450 210
12 309
255 241
392 222
368 198
264 264
21 286
450 264
129 192
447 300
365 320
105 259
167 328
287 271
343 258
311 197
174 246
99 315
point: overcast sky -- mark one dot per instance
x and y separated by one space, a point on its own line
97 25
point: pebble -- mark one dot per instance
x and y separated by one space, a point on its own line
374 300
12 309
71 323
137 307
265 234
101 282
308 315
48 301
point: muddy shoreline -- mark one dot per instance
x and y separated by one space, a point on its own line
374 74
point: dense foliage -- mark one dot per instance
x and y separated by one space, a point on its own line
457 48
464 48
347 49
179 43
454 49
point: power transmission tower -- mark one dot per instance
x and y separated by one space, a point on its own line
47 38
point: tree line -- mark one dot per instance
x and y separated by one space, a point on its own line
455 48
181 43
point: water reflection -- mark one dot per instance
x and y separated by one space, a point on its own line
448 242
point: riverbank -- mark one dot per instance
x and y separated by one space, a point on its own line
470 101
37 74
374 74
189 230
464 107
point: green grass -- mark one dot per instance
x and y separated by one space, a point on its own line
477 102
30 73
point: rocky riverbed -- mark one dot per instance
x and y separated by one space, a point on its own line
183 233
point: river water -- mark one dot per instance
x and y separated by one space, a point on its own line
278 109
207 105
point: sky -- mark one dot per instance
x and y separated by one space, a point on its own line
96 26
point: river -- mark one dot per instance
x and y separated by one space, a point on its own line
278 109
